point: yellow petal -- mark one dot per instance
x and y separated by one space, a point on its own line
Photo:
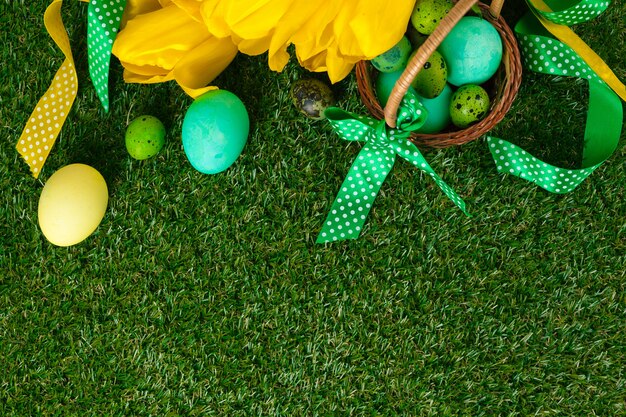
338 66
132 77
159 38
212 13
137 7
378 27
254 19
294 25
191 7
252 46
203 64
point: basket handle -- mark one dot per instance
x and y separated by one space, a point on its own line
426 50
496 8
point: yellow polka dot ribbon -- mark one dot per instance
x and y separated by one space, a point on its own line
543 53
47 119
372 165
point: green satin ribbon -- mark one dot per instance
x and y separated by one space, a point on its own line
542 53
372 165
565 13
103 21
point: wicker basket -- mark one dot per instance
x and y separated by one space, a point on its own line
502 88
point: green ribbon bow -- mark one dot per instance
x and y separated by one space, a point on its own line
103 21
545 54
373 164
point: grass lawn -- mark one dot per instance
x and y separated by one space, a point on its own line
206 295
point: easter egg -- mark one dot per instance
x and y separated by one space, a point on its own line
469 104
472 50
215 130
438 111
428 13
394 59
384 84
417 39
311 97
145 136
72 204
431 79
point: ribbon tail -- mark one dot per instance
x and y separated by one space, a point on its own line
103 22
604 124
511 159
605 119
411 153
562 32
351 126
544 54
358 191
45 122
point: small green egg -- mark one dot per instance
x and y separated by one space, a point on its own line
394 59
428 13
312 97
431 79
469 104
145 136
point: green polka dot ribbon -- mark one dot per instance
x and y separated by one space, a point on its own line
542 53
372 165
565 13
104 18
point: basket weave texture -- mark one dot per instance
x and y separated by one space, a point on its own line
502 87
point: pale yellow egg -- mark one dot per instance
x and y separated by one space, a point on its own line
72 204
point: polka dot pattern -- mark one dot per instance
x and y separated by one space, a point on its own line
45 122
578 13
511 159
374 162
550 56
358 192
104 18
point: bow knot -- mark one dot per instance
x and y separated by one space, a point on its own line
373 164
411 116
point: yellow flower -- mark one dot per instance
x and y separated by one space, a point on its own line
328 35
193 41
166 43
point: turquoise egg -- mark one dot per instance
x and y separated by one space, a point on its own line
395 58
215 130
438 111
472 50
438 107
384 84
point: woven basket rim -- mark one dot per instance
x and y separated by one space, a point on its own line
506 83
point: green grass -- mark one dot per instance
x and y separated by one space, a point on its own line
206 295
